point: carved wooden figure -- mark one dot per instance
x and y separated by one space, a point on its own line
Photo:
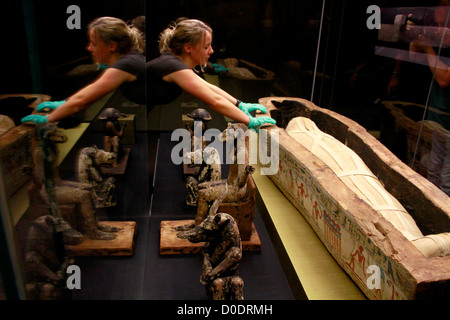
45 271
200 117
222 253
50 190
196 130
114 131
89 172
238 174
210 170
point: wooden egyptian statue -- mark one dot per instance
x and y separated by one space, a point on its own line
238 197
200 117
114 131
50 191
44 265
222 253
89 161
238 173
210 168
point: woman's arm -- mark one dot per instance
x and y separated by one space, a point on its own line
440 69
213 96
221 92
110 80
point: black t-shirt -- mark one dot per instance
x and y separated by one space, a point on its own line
158 90
133 63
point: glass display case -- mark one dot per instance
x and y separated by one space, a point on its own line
381 64
386 77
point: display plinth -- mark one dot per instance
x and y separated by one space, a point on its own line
121 166
171 244
122 245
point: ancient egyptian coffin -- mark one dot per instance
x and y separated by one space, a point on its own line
392 243
15 143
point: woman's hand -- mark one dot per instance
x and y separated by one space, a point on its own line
51 105
249 107
36 118
218 68
420 44
255 123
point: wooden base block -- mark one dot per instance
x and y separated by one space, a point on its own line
121 166
171 244
122 245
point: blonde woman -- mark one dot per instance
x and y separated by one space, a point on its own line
120 47
183 46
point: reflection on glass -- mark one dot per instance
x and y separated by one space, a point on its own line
421 35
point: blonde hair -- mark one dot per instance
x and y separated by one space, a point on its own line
115 30
185 31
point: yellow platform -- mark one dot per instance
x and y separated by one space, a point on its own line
319 274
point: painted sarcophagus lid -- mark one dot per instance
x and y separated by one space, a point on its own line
387 226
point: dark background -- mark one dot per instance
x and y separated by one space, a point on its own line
280 36
269 33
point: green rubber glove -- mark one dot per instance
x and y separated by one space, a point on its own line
255 123
52 105
249 107
218 68
36 118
